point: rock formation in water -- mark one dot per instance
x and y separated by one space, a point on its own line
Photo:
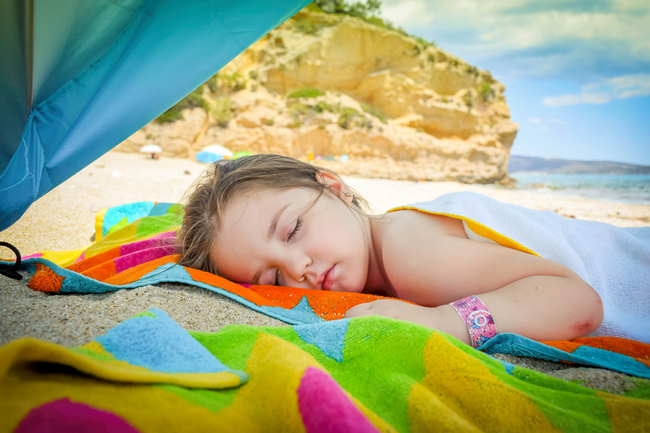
336 85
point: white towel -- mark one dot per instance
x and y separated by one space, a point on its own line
615 261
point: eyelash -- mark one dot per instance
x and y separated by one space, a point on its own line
293 233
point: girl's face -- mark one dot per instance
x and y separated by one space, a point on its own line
274 238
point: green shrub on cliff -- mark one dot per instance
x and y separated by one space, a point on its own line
297 109
231 82
225 83
217 84
373 111
357 10
306 93
346 119
194 99
322 106
313 7
223 111
306 26
366 11
485 91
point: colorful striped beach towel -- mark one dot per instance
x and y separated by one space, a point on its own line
369 374
321 375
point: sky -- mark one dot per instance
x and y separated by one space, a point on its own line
577 72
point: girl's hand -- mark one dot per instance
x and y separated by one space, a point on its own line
395 310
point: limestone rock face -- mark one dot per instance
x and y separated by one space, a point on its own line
398 109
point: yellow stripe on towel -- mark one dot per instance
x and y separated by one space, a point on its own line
99 224
32 350
459 393
63 258
479 229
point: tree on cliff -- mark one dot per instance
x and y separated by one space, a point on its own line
358 10
366 11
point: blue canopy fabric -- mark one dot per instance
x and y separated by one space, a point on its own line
78 77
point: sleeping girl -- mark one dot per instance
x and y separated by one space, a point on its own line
274 220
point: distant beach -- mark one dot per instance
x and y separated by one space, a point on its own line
64 218
619 188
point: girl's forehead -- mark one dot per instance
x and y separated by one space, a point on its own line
262 205
267 199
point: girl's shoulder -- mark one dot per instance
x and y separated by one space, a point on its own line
408 243
404 223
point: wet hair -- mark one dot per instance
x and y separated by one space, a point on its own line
225 179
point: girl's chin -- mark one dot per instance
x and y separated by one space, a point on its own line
349 288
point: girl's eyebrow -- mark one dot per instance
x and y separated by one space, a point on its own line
274 222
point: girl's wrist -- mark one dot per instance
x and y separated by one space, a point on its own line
446 319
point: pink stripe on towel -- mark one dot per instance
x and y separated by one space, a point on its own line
164 239
142 256
63 416
31 256
325 408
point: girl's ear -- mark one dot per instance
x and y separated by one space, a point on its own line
336 185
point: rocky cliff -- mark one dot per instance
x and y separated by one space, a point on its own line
336 85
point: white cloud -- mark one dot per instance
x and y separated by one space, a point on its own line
534 38
412 12
543 125
626 86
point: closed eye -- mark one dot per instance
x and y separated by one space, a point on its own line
291 235
295 230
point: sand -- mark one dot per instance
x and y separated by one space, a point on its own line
64 220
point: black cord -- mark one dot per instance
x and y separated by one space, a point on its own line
10 272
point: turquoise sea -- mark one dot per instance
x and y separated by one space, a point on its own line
623 188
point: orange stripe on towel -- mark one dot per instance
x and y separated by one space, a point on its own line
334 305
328 305
135 273
216 281
631 348
101 272
91 262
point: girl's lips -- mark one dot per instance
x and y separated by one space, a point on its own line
329 279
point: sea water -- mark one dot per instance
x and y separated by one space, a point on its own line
623 188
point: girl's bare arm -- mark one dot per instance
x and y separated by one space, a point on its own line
526 294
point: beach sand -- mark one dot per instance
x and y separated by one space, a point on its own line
64 220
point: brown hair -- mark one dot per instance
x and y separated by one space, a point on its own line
224 180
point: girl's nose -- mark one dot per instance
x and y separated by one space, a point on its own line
297 267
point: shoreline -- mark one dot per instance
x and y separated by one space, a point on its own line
631 189
64 218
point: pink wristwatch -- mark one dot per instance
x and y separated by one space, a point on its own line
477 318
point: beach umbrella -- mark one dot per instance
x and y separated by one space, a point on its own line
207 157
217 150
152 149
213 153
79 77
